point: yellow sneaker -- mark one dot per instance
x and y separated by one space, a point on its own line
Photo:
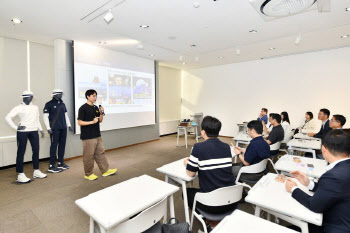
109 172
91 177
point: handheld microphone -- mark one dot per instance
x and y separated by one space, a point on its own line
103 112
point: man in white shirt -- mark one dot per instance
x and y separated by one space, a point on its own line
332 191
27 129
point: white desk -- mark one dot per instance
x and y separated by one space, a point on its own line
115 204
286 164
177 172
305 145
240 221
272 197
242 138
186 130
304 136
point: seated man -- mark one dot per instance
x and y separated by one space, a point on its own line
277 132
332 192
257 150
263 115
212 160
323 115
337 122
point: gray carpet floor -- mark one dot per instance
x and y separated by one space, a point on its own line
47 205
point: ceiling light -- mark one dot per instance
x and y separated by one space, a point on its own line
16 21
151 55
347 9
344 36
253 31
181 58
102 42
193 45
144 26
140 46
238 51
196 59
297 40
196 4
108 17
221 57
272 48
184 63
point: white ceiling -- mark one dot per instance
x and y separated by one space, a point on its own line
217 28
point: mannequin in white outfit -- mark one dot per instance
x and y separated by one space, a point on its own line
27 129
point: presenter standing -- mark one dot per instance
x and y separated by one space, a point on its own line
89 119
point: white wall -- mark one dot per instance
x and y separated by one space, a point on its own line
236 92
169 94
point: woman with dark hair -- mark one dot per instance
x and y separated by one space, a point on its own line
309 126
285 123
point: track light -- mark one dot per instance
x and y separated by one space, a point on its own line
297 40
108 17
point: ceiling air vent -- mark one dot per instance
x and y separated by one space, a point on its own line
272 9
282 8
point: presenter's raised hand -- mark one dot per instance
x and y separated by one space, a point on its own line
301 177
42 133
95 120
49 131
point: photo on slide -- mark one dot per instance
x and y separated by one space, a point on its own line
142 88
97 83
119 89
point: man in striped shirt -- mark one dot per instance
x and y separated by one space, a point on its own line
212 160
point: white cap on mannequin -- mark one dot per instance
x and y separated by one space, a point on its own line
57 91
27 93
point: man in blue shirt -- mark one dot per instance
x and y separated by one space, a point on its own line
257 150
212 159
263 115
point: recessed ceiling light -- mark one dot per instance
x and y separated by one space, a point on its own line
347 9
184 63
253 31
196 59
344 36
16 20
221 57
193 45
102 42
272 48
144 26
151 55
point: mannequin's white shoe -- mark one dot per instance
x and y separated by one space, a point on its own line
39 174
22 178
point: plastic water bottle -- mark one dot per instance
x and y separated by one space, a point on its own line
290 150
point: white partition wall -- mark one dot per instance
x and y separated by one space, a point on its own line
298 83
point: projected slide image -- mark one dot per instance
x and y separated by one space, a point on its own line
142 88
119 89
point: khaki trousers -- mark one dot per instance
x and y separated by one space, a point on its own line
93 150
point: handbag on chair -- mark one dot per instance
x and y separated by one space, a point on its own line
177 227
